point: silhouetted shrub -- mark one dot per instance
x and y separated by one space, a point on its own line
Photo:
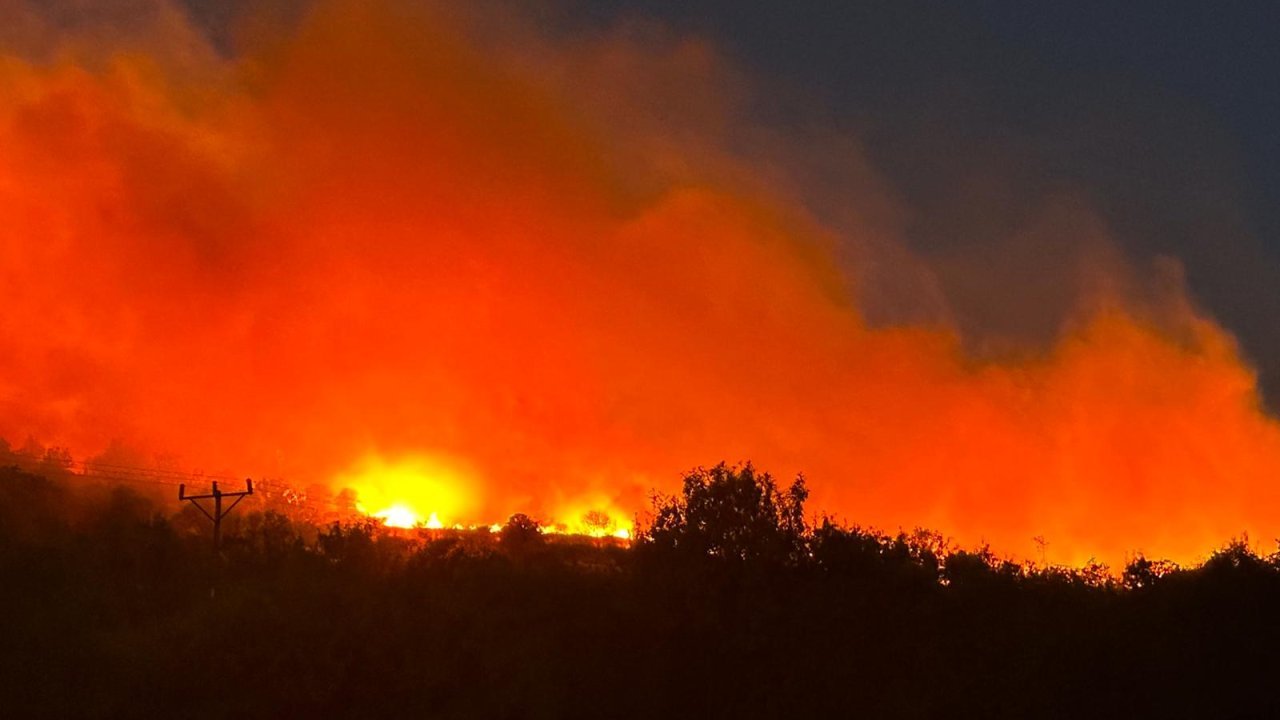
1142 572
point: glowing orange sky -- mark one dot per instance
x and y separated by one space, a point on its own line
400 233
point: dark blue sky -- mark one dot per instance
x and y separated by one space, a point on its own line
1023 65
1166 116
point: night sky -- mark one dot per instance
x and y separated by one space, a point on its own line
1164 117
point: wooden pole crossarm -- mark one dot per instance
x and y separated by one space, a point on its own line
202 510
232 506
207 496
218 513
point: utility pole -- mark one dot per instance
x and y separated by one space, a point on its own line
218 512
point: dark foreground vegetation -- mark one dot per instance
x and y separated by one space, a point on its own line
729 605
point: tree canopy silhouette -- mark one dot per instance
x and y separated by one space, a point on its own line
731 513
520 533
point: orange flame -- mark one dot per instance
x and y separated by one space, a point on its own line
465 271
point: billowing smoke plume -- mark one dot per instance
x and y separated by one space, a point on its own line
559 272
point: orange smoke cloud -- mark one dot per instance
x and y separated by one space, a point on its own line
401 233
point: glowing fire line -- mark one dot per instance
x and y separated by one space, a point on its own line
401 490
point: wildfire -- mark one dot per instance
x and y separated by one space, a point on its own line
600 520
399 492
399 516
414 491
538 278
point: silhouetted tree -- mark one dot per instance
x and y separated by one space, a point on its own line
597 521
520 534
730 513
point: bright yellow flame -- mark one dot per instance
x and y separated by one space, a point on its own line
401 493
598 519
399 516
411 488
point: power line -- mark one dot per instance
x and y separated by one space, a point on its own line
134 474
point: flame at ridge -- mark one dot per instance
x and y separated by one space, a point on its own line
412 491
